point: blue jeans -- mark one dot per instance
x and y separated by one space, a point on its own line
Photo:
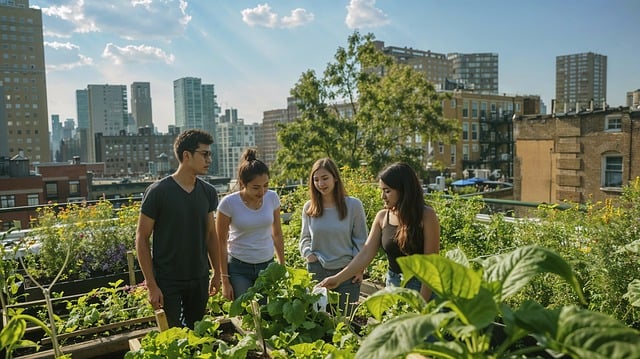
243 275
394 279
185 301
347 290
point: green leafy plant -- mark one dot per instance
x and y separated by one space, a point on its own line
287 306
106 305
463 325
202 342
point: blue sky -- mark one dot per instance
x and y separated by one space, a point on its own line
254 52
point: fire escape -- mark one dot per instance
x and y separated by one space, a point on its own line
496 143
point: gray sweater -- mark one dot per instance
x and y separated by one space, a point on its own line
335 242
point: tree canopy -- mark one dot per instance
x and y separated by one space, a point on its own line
366 110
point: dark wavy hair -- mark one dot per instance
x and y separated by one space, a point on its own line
410 206
339 193
250 167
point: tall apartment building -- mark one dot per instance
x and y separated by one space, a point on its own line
436 66
232 138
24 81
195 106
475 71
268 142
141 104
83 133
105 109
56 135
580 79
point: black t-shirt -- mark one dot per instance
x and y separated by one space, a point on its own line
180 231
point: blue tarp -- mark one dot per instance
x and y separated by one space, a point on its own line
468 181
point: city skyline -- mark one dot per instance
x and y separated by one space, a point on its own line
254 52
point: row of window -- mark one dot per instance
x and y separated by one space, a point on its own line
8 201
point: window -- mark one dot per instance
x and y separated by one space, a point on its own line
474 131
52 190
465 109
33 199
465 131
474 109
7 201
612 170
74 188
465 151
453 154
613 124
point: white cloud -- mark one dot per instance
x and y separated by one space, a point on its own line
262 15
363 13
298 17
61 45
136 54
82 61
133 19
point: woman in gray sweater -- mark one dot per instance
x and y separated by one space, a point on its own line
334 229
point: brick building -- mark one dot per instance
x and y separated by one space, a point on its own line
579 157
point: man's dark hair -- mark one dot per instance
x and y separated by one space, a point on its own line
189 140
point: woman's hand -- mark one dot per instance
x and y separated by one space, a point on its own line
329 282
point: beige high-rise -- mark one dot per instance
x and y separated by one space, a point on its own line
580 79
23 81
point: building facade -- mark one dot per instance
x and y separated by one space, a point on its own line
23 81
474 71
588 156
145 153
141 104
233 137
486 141
581 81
477 71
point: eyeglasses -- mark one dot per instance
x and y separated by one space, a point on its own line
205 154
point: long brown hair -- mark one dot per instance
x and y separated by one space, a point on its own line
409 208
339 193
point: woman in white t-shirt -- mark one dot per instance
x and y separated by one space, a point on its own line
248 227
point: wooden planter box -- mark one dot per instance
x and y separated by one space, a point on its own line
79 286
109 346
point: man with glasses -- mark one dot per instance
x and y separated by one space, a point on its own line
178 212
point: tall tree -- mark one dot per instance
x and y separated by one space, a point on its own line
365 110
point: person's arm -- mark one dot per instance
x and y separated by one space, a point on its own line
305 239
431 235
143 251
213 251
358 235
277 236
364 257
222 229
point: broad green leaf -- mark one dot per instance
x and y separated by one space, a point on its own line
458 256
584 334
479 311
399 336
515 269
12 333
387 297
633 293
294 312
445 277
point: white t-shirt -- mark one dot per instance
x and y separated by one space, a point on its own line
250 237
